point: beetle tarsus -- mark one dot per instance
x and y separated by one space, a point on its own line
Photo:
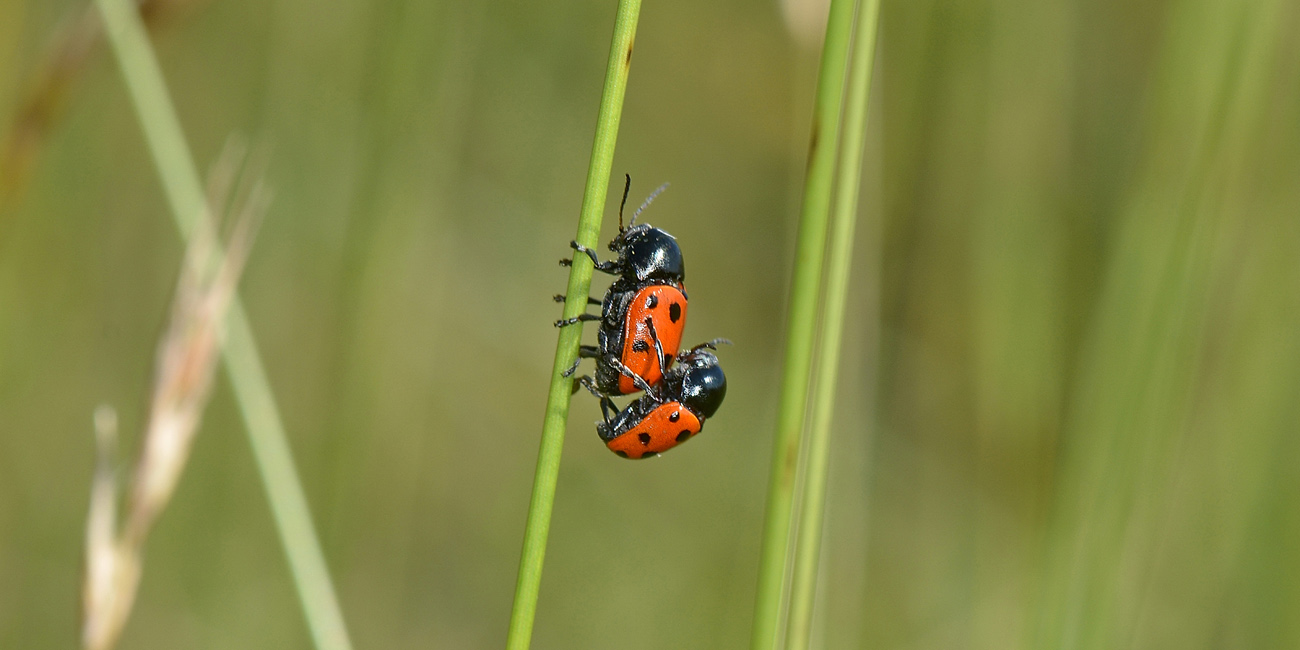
576 319
572 369
605 267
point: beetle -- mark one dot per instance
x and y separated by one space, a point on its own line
648 288
670 412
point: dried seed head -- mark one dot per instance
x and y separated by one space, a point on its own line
186 363
112 571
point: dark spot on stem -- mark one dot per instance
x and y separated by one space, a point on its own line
791 461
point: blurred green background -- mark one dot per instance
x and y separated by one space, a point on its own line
1068 410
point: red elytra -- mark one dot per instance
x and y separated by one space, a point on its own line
660 430
665 306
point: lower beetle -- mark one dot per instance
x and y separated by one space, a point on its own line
671 412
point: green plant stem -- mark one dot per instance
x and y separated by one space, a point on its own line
843 221
804 288
180 180
566 350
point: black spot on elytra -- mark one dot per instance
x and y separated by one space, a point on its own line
622 453
683 435
650 454
652 302
643 437
677 415
674 312
640 346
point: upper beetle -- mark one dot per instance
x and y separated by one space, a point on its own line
647 295
645 253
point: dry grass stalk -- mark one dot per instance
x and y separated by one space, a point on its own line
186 363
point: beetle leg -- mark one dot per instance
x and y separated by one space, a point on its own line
606 267
659 347
573 368
559 297
606 404
636 379
587 382
584 352
576 319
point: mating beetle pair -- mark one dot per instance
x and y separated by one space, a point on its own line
642 318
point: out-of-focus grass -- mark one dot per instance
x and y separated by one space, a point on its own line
1158 473
808 527
1088 351
802 312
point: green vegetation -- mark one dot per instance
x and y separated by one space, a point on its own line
566 351
812 507
801 320
1076 429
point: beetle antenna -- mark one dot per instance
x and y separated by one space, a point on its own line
712 345
646 204
627 185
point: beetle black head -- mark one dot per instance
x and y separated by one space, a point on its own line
703 384
646 252
649 253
